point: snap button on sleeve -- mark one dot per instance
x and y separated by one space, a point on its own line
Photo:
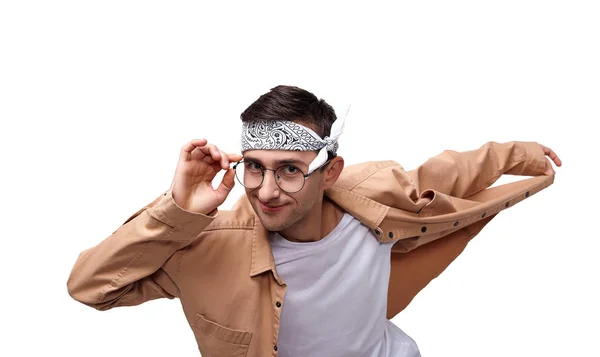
483 215
506 204
527 194
423 229
455 223
278 304
391 235
275 348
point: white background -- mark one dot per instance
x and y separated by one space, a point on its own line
96 99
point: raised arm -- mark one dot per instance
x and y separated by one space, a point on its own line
127 267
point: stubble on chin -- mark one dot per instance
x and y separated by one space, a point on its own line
273 224
277 224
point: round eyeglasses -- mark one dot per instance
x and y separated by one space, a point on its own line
289 178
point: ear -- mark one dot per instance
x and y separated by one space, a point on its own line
333 171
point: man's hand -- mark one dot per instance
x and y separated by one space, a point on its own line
199 163
552 155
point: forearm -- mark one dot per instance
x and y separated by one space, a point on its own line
461 174
120 265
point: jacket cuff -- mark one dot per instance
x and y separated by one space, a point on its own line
168 212
535 159
528 159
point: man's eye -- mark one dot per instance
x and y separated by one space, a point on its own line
290 170
252 166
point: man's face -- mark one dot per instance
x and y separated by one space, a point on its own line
276 209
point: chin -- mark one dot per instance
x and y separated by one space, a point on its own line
273 225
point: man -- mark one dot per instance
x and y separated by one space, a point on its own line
316 258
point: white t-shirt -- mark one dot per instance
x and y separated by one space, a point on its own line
336 298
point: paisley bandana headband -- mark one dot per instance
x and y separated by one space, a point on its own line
287 135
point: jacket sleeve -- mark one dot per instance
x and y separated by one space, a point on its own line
462 174
127 267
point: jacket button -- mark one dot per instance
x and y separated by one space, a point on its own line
455 223
278 304
527 194
506 204
275 348
483 215
423 229
391 235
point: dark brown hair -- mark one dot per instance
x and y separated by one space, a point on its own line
293 104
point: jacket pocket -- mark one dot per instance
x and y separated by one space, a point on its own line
215 340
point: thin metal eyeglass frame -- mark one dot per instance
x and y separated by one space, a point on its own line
263 169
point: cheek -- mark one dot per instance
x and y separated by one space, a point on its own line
314 187
309 195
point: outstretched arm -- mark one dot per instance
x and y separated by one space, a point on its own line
462 174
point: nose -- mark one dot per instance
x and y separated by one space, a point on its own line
269 189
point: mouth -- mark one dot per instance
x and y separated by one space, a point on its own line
270 208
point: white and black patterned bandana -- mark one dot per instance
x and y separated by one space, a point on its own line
283 135
287 135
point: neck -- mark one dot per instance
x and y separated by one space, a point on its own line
316 224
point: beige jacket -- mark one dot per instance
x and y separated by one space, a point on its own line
221 268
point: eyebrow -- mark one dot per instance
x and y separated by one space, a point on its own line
279 162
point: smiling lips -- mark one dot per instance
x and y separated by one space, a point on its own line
269 209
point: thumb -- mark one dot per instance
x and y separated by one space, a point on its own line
549 170
226 184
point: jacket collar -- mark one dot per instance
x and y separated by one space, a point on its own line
262 257
366 210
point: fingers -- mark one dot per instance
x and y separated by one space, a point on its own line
552 155
226 184
235 157
549 170
199 149
211 153
187 149
216 156
226 160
